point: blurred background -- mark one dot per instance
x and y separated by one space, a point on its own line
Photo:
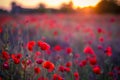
58 6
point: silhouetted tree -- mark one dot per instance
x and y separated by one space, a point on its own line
42 8
67 7
108 6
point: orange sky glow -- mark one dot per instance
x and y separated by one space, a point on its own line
6 4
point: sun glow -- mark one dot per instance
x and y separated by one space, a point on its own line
85 3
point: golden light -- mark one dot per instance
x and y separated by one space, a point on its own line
85 3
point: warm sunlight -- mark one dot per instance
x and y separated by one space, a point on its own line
49 3
84 3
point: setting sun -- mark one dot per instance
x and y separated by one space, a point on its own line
84 3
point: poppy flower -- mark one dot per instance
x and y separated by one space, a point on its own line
92 61
99 30
39 61
5 55
57 77
68 64
43 45
61 68
16 61
83 63
16 58
76 75
67 69
31 44
97 70
101 39
69 50
108 51
88 50
5 65
28 62
57 48
48 65
18 55
37 70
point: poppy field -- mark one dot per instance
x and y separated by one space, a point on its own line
59 47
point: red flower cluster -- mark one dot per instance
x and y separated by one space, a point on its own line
16 58
43 45
108 51
62 69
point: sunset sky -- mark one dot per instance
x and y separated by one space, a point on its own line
6 4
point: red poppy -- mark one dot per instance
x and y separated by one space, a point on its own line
61 68
5 55
83 63
92 61
5 65
28 62
48 65
108 51
37 70
88 50
69 50
76 75
18 55
57 48
30 47
43 45
67 69
100 30
97 70
39 61
31 44
16 58
68 64
57 77
101 39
